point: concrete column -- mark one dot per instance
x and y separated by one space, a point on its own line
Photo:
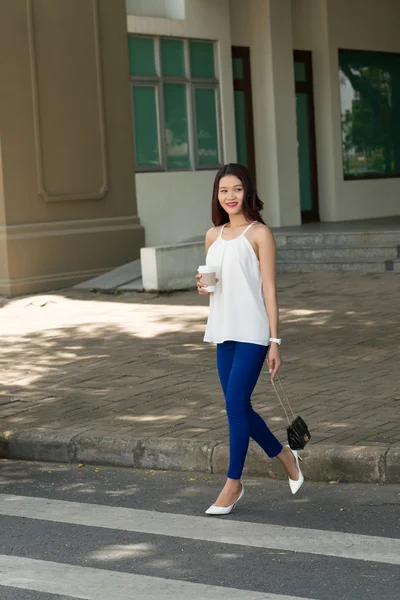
327 109
67 198
275 110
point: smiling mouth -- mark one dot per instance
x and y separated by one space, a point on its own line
231 204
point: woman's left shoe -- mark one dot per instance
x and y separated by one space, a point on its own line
295 485
224 510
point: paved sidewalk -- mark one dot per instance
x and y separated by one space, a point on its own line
134 365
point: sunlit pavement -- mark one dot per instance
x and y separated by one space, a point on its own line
136 365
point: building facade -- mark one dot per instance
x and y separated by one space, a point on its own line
116 115
67 196
282 99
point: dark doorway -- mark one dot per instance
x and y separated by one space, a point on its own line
243 107
307 150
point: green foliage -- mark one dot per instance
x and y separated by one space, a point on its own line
371 128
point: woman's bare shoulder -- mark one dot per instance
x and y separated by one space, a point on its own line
262 233
212 234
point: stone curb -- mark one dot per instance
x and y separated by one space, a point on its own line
353 464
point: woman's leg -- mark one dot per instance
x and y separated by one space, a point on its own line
244 422
239 366
249 359
225 354
264 437
235 369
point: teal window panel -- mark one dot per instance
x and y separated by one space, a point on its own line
141 56
240 121
176 126
146 126
206 126
370 111
300 72
237 68
303 139
202 63
172 58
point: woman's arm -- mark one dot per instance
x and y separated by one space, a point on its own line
267 256
211 236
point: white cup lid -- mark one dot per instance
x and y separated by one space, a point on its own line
206 269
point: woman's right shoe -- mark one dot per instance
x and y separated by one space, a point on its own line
294 484
224 510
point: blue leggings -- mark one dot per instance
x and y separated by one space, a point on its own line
239 366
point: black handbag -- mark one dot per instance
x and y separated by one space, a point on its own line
298 433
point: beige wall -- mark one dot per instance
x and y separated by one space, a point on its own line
66 141
169 9
174 206
266 27
302 22
190 191
311 32
324 26
375 26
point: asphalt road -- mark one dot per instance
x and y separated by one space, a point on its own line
114 534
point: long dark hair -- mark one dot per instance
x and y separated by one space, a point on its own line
252 204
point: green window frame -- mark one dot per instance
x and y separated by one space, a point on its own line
189 132
370 114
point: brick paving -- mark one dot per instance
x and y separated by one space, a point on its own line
135 364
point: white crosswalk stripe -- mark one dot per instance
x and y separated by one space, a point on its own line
90 583
101 584
314 541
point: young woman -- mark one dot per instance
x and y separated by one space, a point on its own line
243 321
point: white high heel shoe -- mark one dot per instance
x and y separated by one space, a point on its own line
295 485
225 510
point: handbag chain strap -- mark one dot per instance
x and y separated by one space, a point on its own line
280 399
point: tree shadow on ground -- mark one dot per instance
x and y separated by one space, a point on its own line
138 366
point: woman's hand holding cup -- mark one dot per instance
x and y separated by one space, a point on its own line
201 287
206 280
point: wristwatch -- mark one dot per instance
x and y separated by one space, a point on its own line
276 340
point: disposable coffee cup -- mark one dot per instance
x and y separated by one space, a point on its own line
208 275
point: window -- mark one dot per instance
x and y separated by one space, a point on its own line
370 105
175 96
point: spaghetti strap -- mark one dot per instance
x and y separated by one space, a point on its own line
222 229
248 227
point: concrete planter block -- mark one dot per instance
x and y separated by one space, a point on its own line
41 444
175 455
393 465
168 268
99 449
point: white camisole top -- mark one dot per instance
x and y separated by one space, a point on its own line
237 309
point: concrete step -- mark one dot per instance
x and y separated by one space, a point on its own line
396 266
364 266
133 286
289 253
125 275
327 238
168 268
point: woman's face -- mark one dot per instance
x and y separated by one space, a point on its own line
231 194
